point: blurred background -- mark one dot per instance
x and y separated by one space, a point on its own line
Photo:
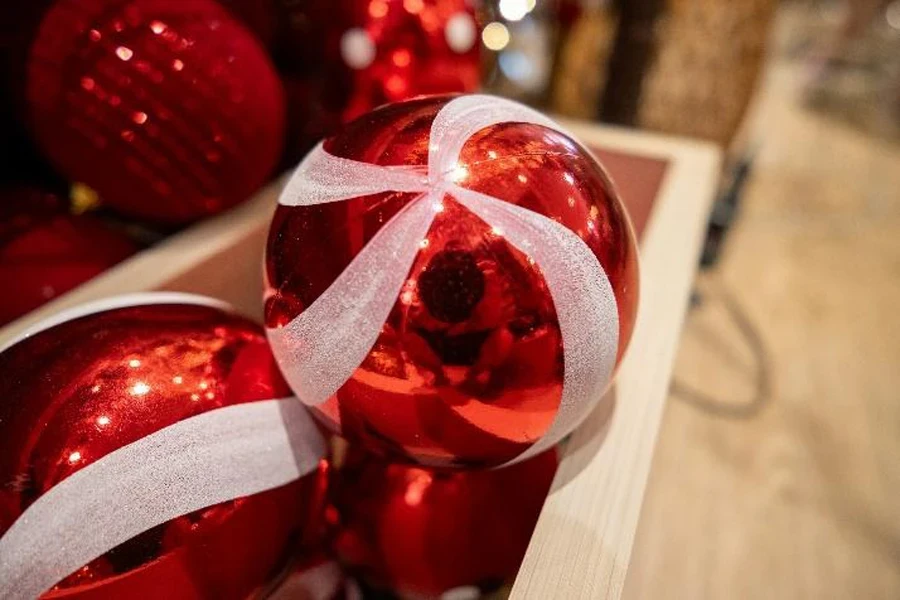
124 121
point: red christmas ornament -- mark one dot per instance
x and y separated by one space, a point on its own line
81 391
45 252
170 110
351 56
423 533
468 366
397 49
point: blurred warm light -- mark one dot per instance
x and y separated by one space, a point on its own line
395 85
413 6
416 488
378 9
357 48
83 198
893 14
124 53
401 57
495 36
515 10
139 389
461 32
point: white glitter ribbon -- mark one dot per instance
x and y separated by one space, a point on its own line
213 457
319 350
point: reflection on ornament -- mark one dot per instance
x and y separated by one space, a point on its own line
430 534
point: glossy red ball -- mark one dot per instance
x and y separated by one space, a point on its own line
468 369
422 533
170 110
81 389
45 252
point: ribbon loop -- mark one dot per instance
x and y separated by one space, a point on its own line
463 117
322 347
322 177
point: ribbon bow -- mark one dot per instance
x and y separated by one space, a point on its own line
320 349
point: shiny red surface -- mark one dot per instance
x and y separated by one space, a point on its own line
71 394
468 368
170 110
420 532
45 252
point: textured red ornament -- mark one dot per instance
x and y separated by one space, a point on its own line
422 533
79 390
45 252
170 110
468 368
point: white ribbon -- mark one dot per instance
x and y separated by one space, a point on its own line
213 457
319 350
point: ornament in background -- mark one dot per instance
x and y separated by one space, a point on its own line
523 39
150 448
398 49
45 252
450 281
170 110
350 56
422 533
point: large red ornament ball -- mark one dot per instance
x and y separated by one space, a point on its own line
423 533
45 252
73 393
170 110
468 369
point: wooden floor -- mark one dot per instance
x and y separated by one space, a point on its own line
777 473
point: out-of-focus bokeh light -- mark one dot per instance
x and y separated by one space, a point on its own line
461 33
516 66
892 14
515 10
495 36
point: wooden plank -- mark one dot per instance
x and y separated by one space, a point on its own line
582 543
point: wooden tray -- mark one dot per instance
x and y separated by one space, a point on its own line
582 544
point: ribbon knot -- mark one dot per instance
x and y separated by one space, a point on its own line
320 348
